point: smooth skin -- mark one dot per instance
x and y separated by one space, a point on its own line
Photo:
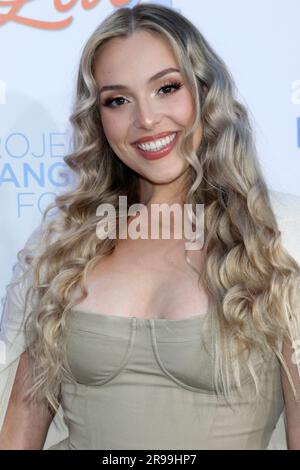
145 109
25 425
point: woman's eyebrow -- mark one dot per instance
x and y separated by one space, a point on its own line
155 77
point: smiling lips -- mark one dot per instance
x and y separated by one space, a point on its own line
153 148
152 138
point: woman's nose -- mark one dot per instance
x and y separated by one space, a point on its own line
147 115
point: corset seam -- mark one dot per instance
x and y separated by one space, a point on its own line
167 373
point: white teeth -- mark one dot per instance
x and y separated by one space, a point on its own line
157 144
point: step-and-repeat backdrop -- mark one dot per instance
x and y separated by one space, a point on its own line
40 45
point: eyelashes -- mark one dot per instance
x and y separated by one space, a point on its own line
175 85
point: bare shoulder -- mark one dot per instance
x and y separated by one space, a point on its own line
286 208
26 423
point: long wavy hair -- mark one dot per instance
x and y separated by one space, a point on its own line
251 281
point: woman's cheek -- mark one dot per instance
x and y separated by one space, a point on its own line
181 110
111 127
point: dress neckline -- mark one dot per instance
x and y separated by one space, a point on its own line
191 319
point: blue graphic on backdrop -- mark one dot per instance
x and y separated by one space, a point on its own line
22 143
25 164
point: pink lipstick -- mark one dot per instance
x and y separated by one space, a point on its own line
156 154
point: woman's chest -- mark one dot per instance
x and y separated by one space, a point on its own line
151 280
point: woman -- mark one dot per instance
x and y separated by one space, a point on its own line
144 343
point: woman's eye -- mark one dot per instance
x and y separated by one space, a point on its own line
172 85
109 102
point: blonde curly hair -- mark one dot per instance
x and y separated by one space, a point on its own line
251 281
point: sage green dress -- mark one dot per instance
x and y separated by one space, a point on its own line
147 384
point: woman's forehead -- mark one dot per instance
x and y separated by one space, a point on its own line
141 51
140 42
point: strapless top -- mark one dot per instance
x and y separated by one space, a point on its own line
148 384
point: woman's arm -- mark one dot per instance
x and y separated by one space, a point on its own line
25 424
292 408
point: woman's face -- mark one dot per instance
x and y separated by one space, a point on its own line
144 107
